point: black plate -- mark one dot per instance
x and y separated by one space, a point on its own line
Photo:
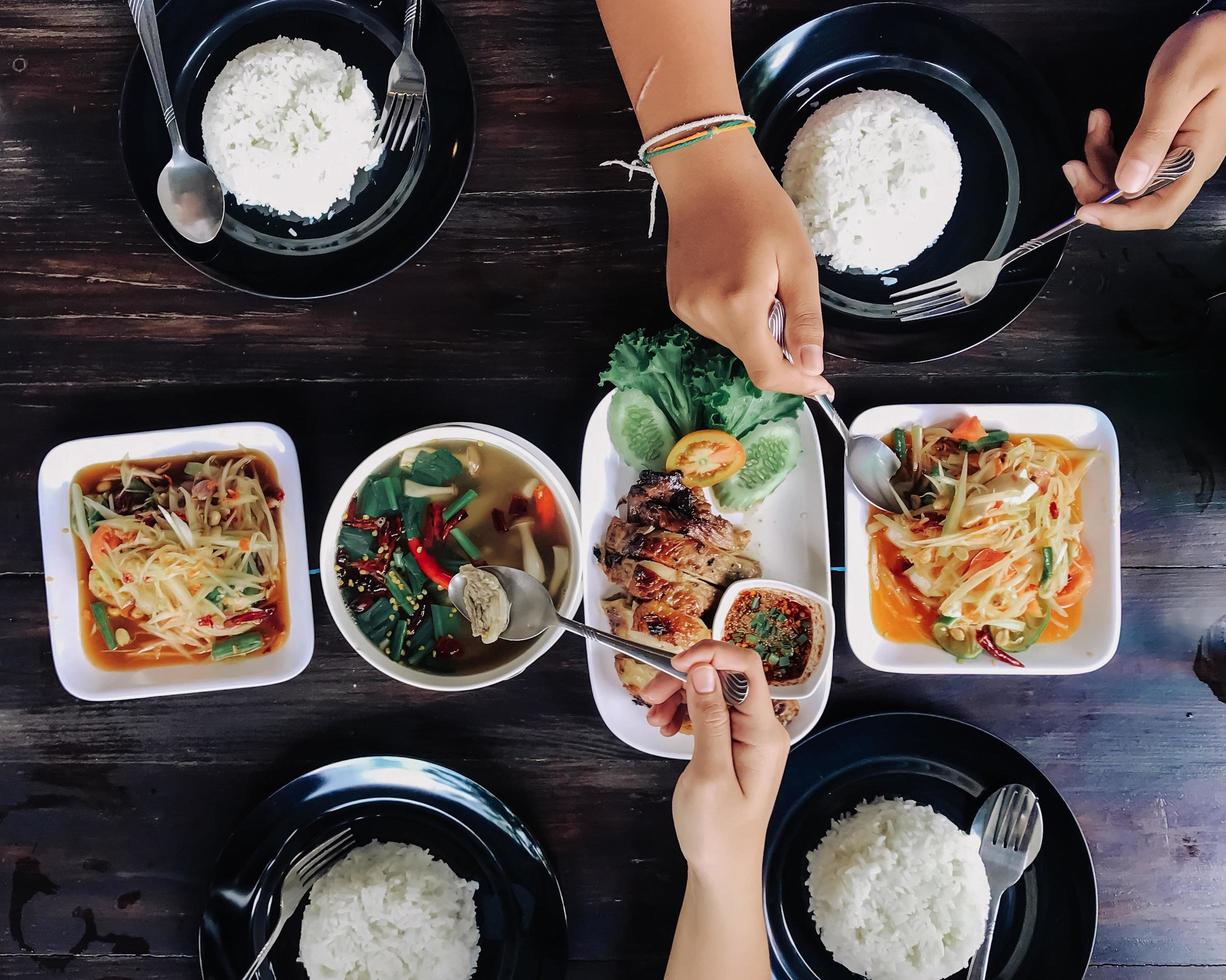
1009 131
393 210
519 905
1047 921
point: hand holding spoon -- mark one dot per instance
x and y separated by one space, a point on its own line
870 462
533 612
188 190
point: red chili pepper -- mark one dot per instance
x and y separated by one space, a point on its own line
251 616
354 519
388 536
447 646
518 507
428 564
364 600
501 524
276 493
455 519
374 568
434 529
1055 511
984 639
205 621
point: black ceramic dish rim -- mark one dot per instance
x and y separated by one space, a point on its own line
176 244
785 809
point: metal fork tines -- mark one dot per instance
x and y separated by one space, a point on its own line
971 283
406 87
298 881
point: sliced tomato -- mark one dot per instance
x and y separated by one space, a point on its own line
706 457
103 540
982 559
1080 578
969 430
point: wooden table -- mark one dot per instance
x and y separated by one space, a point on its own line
111 815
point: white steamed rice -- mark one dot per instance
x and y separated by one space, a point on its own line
875 176
288 126
898 892
390 912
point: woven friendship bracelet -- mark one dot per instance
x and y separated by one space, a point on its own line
677 138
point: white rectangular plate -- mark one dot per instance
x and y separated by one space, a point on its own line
790 539
1095 640
76 671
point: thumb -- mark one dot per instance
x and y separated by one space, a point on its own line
1161 119
802 301
712 726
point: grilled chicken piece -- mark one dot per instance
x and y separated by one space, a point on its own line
677 551
654 624
669 629
651 580
663 501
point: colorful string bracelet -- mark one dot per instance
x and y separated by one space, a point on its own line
677 138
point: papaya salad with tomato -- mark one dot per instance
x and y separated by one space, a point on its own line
684 404
180 559
987 555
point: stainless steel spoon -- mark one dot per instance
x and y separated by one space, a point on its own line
188 190
1009 826
870 462
533 612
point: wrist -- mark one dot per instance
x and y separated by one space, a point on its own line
727 876
697 167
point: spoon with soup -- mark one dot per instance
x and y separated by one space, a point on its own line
509 604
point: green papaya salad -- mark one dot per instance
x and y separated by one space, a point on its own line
684 403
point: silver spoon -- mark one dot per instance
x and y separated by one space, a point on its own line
188 190
533 612
870 462
1009 826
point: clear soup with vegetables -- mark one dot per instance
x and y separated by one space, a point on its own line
420 517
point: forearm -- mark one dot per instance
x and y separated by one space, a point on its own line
721 931
675 58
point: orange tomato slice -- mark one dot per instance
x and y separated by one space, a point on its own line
706 457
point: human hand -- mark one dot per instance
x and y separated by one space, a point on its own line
735 242
724 798
1185 105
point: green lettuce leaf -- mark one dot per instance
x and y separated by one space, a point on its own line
659 365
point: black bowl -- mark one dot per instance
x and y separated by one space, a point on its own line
1010 134
1047 921
392 210
519 905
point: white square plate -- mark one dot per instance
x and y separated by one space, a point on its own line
1094 642
790 539
79 675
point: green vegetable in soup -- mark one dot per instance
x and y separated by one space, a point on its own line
772 451
435 468
355 542
378 497
639 430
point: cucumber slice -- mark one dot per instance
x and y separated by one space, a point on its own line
641 432
772 451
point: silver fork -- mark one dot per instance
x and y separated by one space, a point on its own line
406 87
971 283
1005 841
302 875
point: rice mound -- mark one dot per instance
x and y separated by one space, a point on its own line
875 176
390 912
288 126
897 892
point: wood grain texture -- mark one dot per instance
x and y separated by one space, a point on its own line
506 317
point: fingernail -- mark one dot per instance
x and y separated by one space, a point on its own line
1092 122
704 679
1088 217
1132 176
1070 173
811 358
